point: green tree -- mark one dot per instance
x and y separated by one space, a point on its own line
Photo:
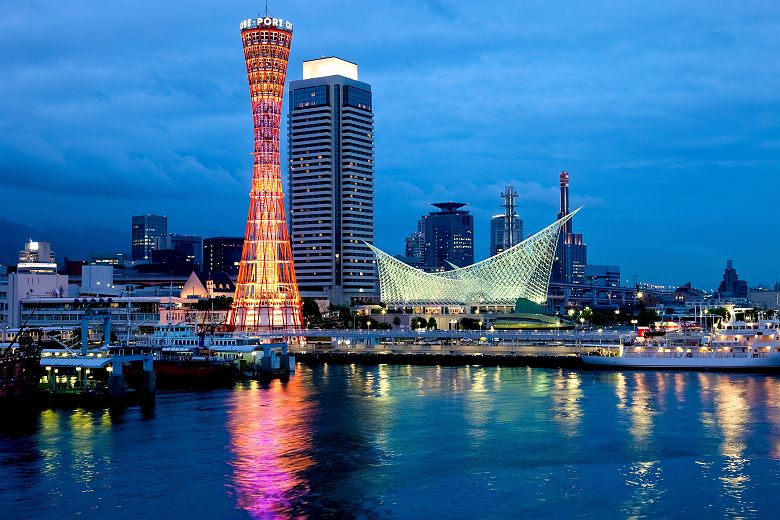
397 321
587 313
432 323
311 312
469 324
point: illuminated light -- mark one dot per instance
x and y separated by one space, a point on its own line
522 271
329 67
267 296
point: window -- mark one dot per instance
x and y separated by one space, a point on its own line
358 98
310 97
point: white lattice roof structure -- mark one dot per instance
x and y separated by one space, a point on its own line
522 271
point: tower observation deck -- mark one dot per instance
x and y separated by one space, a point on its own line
267 295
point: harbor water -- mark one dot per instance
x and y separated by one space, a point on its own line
411 442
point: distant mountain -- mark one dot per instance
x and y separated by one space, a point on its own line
75 243
12 238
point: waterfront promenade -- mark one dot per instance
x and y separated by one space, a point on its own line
466 342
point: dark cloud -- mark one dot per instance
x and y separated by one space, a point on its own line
666 114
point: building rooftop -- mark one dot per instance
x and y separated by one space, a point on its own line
449 206
330 66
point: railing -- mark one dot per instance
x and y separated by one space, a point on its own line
699 355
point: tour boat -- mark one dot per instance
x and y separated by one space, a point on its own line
735 345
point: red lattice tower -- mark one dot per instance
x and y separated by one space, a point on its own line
267 295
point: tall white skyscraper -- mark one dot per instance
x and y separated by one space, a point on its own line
331 178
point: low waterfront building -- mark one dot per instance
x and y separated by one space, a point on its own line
208 284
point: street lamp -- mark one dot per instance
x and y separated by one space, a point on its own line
634 322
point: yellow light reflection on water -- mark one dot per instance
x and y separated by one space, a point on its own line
732 413
566 398
480 405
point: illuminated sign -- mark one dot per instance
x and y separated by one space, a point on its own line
267 22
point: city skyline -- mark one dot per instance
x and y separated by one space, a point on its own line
457 122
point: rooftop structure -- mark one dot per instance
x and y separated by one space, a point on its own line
330 66
36 257
522 271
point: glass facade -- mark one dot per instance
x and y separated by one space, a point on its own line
310 97
358 98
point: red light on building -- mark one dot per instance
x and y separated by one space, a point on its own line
267 295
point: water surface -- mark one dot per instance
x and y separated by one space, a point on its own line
403 441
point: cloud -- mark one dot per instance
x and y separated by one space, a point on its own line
664 112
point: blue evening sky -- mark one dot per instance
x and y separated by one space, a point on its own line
665 112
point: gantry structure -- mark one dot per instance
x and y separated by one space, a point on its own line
522 271
267 295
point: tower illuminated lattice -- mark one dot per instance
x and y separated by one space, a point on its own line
267 295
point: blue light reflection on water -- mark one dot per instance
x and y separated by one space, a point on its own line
402 441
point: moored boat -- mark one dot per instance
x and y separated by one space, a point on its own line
735 345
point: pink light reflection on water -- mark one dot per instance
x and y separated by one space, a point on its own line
270 444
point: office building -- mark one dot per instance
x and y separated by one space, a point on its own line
145 230
572 253
603 275
731 286
415 243
189 245
449 237
498 233
331 179
36 257
114 259
222 254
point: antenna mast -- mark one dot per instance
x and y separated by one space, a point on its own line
510 217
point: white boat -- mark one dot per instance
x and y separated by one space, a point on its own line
736 345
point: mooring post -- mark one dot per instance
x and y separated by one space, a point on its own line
107 330
116 380
84 333
149 380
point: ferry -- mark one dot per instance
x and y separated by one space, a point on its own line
735 345
183 354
